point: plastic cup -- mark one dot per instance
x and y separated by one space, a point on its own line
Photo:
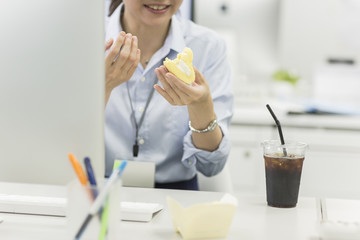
283 173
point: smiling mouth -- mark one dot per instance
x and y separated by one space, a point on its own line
157 7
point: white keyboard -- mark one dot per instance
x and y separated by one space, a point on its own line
26 204
139 211
56 206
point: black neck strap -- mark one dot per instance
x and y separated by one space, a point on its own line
138 125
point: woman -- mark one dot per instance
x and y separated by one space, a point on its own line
146 126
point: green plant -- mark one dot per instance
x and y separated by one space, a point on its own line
284 75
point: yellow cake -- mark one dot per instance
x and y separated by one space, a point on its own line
182 66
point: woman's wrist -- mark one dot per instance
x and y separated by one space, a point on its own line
109 85
108 90
201 113
206 133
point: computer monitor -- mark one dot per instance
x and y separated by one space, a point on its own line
51 88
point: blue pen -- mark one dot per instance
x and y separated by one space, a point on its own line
91 176
99 201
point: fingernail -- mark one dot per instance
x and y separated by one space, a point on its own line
122 33
128 35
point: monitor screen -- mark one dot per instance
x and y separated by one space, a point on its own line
51 88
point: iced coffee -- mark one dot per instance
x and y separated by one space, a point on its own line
283 167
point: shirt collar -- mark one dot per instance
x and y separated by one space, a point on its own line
175 38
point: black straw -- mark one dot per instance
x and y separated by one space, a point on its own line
279 128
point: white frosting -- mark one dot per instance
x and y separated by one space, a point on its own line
183 67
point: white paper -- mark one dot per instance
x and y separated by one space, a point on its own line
205 220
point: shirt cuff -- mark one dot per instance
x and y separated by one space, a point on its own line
192 154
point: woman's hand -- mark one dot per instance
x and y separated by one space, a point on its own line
121 60
199 103
176 92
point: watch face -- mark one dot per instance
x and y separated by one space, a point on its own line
213 125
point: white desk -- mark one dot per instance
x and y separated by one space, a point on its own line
253 219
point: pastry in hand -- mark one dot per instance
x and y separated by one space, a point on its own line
182 66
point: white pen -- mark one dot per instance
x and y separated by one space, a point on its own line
99 201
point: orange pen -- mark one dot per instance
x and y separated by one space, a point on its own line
78 169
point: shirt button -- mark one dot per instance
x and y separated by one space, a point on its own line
141 109
190 162
141 141
143 79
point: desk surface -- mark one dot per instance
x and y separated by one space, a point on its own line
253 219
259 116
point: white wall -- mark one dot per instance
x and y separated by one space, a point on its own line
311 31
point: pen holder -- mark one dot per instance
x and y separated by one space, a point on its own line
102 226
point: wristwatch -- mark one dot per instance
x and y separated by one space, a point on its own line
209 128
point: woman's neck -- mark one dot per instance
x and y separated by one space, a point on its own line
150 39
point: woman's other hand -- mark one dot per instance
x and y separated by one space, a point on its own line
121 61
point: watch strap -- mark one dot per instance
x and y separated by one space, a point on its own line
211 127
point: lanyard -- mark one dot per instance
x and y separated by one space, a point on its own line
138 125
